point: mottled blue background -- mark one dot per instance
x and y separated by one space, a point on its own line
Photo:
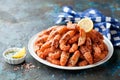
21 19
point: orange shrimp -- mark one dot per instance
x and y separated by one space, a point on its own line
64 58
71 26
52 34
55 55
54 61
73 48
95 36
41 39
97 51
62 29
83 63
73 60
41 54
82 37
55 42
73 39
88 56
67 36
84 49
45 45
64 47
47 31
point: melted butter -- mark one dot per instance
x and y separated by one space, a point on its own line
10 54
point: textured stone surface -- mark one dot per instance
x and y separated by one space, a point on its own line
21 19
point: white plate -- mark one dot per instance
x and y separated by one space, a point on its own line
108 43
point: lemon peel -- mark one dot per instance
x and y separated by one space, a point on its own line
20 53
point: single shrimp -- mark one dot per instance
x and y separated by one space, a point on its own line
71 26
41 54
67 36
88 56
73 39
55 41
62 29
89 44
54 61
82 37
83 63
64 58
41 39
52 34
47 31
97 51
73 60
64 47
84 49
45 45
55 55
73 48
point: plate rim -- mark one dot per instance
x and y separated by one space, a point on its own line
34 55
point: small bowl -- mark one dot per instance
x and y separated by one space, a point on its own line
12 60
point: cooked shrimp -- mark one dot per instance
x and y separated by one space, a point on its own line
41 54
82 37
71 26
45 45
62 29
55 41
64 58
88 56
67 36
73 48
47 31
83 63
54 61
64 47
95 36
84 49
74 39
97 51
52 34
55 55
73 60
89 44
41 39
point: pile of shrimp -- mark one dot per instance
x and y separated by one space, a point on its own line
70 45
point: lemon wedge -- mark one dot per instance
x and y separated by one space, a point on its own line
86 24
20 53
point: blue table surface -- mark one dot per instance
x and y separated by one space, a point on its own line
21 19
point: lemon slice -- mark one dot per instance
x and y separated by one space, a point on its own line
20 53
86 24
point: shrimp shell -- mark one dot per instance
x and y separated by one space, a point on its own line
64 58
73 60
